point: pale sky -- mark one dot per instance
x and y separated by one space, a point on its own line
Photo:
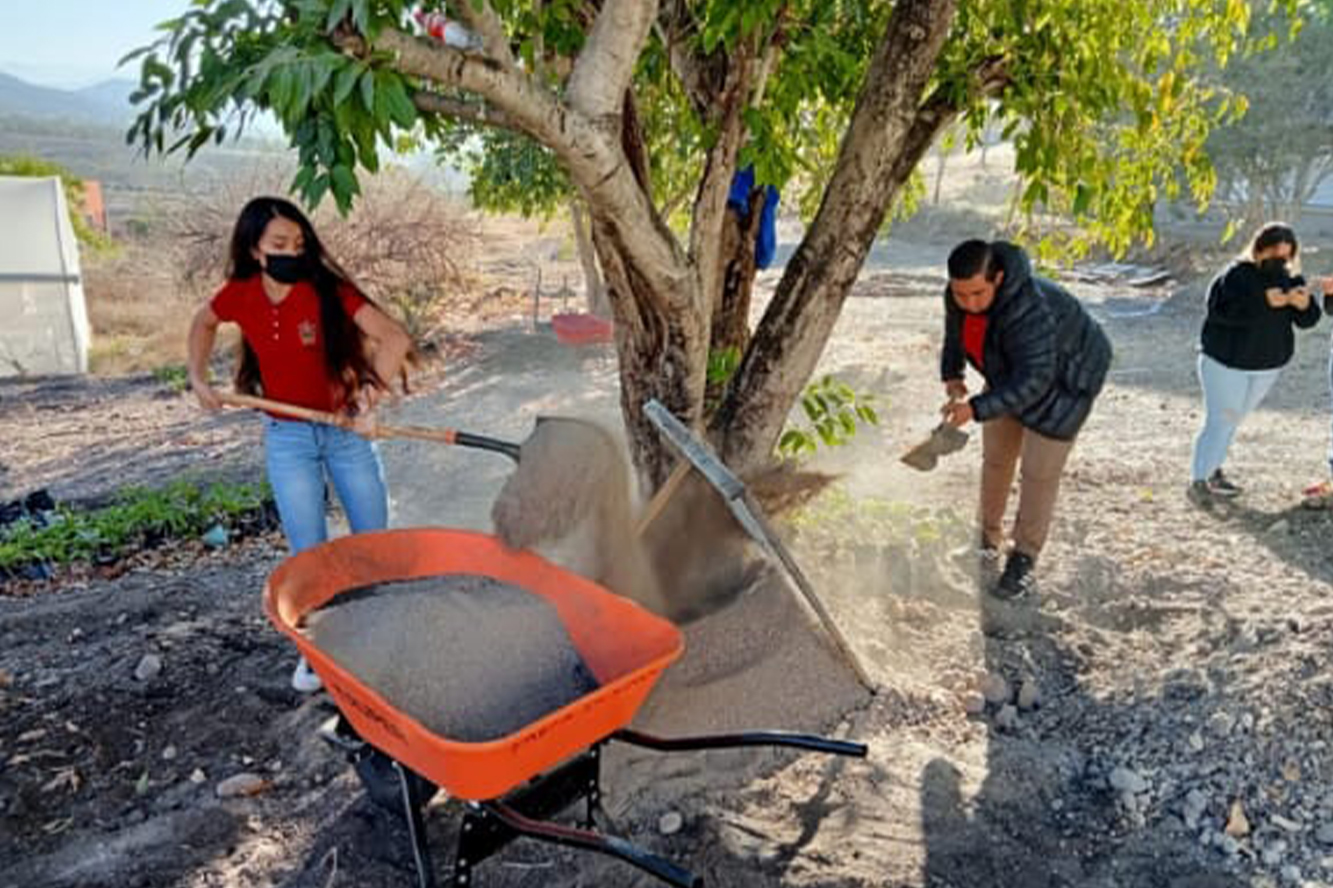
74 43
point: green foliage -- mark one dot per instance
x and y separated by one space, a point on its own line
36 167
139 517
507 172
174 376
837 521
1273 158
1102 98
833 411
722 365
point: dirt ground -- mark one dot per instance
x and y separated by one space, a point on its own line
1179 658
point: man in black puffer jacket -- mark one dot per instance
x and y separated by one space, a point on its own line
1044 360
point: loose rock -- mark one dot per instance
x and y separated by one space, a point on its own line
149 668
1029 696
995 689
1124 780
670 823
1007 718
244 784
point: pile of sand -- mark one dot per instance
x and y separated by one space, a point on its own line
753 657
469 657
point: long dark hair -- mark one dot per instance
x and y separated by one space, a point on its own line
344 342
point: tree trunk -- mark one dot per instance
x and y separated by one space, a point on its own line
662 349
889 132
594 288
730 328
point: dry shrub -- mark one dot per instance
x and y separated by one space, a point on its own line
138 313
404 243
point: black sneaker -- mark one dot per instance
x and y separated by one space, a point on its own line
1017 577
1218 485
1200 494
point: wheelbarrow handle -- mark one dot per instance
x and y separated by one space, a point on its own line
748 738
442 436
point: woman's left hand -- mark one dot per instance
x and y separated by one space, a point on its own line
365 421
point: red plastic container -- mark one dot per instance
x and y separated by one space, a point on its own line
581 329
625 646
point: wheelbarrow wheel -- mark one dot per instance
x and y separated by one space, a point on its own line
380 778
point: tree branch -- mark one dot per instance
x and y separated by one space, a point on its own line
482 20
434 103
710 204
699 76
889 131
604 67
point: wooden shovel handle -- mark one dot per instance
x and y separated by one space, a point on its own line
442 436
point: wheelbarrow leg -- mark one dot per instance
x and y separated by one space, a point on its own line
578 838
416 826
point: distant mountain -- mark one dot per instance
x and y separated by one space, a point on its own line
103 103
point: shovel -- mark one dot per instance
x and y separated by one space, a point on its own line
943 440
442 436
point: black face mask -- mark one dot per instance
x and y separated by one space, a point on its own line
1273 268
286 269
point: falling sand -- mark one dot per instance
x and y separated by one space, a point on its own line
752 656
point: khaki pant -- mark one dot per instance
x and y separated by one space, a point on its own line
1003 441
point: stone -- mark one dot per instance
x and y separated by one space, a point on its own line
1283 823
974 703
1029 696
168 753
1274 852
1291 873
1007 718
995 689
1196 741
1280 526
215 537
1238 825
1193 807
670 823
198 776
243 784
149 668
1125 781
1324 834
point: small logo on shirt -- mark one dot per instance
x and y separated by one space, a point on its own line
307 331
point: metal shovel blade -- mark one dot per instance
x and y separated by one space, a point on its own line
943 440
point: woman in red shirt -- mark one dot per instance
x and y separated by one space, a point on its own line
312 339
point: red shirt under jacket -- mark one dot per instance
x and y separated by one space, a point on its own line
974 337
287 339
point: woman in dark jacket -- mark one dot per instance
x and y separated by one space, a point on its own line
1247 339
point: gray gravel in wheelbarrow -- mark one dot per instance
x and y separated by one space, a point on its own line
469 657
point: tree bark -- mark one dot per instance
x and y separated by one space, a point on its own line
593 287
889 132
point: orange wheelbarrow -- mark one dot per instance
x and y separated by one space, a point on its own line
509 785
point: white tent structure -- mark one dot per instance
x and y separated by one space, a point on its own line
43 318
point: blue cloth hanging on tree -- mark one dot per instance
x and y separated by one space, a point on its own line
766 241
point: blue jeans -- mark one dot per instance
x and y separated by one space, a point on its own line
299 456
1229 395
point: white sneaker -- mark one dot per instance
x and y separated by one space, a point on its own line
304 678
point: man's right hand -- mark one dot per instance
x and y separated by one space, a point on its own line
1276 297
208 398
955 389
